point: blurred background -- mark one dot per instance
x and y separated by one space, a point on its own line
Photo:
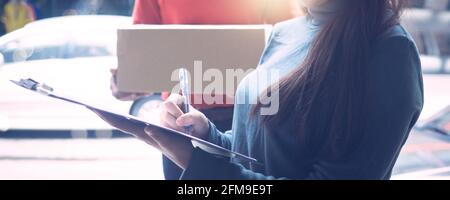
71 44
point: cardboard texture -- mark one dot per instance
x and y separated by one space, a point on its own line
149 55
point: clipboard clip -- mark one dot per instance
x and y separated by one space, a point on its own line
31 84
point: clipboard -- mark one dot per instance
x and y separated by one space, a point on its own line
209 147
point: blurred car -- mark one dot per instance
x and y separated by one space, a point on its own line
432 36
63 38
426 155
72 54
430 31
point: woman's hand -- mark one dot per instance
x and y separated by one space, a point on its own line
175 147
124 96
126 126
172 117
178 149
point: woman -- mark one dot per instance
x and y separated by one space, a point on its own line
350 92
205 12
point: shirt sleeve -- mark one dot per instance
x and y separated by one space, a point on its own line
146 12
219 138
395 89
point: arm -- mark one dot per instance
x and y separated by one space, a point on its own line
219 138
396 99
146 12
31 15
5 15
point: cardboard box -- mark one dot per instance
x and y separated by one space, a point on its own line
150 55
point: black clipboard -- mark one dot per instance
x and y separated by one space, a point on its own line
209 147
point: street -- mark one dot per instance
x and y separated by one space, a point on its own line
74 159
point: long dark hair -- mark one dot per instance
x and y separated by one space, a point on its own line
339 56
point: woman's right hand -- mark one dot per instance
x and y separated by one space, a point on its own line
124 96
171 116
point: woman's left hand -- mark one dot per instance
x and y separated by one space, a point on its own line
174 147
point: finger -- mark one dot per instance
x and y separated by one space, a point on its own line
168 120
176 98
173 109
114 76
113 81
178 128
186 120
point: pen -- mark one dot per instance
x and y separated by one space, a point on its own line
183 75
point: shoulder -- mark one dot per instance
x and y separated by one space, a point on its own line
395 63
396 30
295 26
396 38
394 76
395 58
297 21
291 33
396 47
288 38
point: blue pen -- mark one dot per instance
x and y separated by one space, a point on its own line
183 75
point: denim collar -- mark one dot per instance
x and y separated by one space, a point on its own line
320 15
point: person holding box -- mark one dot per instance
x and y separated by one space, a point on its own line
207 12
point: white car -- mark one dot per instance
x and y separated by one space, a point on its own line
432 36
72 54
426 156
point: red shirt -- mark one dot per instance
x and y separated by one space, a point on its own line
213 12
